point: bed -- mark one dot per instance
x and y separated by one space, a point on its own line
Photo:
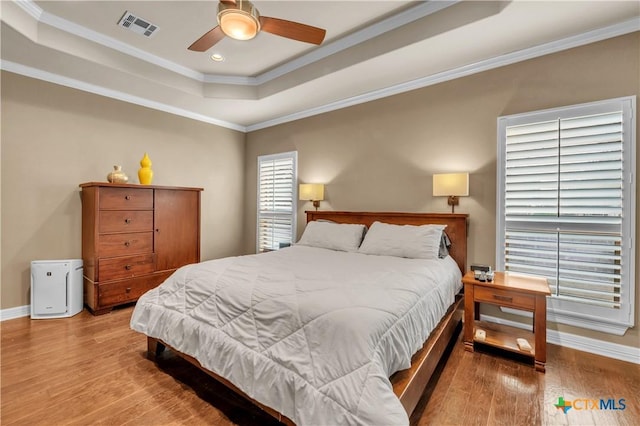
317 335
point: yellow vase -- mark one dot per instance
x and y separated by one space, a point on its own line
145 174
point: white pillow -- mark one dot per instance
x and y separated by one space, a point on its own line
415 242
333 236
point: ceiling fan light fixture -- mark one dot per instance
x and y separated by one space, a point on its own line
240 21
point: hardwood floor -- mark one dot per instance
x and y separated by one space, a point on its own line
90 370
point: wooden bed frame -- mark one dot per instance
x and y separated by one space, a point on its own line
409 384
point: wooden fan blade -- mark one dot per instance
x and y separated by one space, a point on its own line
292 30
205 42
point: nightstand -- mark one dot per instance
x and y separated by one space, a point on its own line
513 291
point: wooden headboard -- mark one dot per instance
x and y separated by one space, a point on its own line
456 225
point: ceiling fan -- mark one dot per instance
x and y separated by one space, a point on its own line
240 20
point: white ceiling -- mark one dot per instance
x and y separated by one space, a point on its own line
372 49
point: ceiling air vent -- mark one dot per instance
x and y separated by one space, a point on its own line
137 25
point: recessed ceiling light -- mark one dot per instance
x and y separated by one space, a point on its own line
217 57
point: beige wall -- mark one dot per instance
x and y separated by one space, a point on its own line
381 155
54 138
375 156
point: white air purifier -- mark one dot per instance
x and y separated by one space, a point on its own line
56 288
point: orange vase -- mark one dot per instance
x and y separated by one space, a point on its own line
145 174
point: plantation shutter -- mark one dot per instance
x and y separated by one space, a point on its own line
276 200
563 206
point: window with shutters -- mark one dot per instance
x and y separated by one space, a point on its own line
276 222
566 208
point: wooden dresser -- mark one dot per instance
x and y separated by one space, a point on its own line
133 238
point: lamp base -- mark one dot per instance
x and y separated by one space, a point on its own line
453 201
316 204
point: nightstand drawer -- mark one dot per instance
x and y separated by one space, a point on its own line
125 221
504 298
126 199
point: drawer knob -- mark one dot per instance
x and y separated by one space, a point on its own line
127 267
127 221
127 197
127 243
128 289
503 298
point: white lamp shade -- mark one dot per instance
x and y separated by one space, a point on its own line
311 191
447 184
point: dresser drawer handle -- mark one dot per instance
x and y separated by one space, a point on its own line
503 298
127 197
127 221
127 267
128 289
127 243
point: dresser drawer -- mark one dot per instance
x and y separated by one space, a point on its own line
126 199
125 221
118 292
125 244
125 267
506 298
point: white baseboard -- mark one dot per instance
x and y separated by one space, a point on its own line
585 344
17 312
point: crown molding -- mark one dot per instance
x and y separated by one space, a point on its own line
114 94
593 36
30 7
80 31
412 14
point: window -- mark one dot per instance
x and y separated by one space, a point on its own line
566 208
277 177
